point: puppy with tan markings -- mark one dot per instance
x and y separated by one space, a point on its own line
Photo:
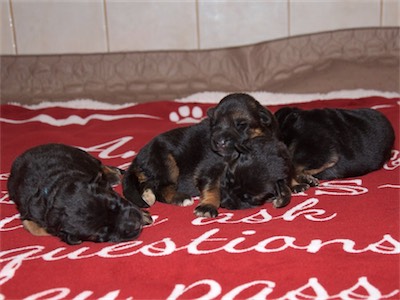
189 161
335 143
261 174
63 191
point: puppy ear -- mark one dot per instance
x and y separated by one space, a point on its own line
266 116
287 114
210 112
37 205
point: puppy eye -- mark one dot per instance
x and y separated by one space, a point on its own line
241 125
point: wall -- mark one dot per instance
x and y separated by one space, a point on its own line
99 26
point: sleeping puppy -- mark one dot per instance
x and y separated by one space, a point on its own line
262 174
336 143
189 161
65 192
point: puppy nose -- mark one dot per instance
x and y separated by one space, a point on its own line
138 226
132 230
221 143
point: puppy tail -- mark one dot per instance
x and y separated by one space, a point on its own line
131 184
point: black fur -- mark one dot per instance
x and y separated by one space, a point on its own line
336 143
69 194
263 174
189 161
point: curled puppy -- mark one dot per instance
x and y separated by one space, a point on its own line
65 192
175 165
335 143
262 174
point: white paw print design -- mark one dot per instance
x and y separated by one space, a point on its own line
186 115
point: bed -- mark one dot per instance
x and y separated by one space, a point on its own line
340 240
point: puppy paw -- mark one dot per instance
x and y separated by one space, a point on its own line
149 197
308 179
312 181
301 187
188 202
206 210
283 199
284 194
182 199
147 219
113 175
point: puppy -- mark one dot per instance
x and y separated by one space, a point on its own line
262 174
336 143
189 161
65 192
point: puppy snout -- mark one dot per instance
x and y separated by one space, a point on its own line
221 143
130 224
223 146
137 227
131 230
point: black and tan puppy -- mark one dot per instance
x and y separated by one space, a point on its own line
262 174
189 161
336 143
64 191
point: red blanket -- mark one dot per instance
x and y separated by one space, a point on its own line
337 241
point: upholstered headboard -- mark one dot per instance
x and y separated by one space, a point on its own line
347 59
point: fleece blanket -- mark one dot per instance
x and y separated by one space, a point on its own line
336 241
